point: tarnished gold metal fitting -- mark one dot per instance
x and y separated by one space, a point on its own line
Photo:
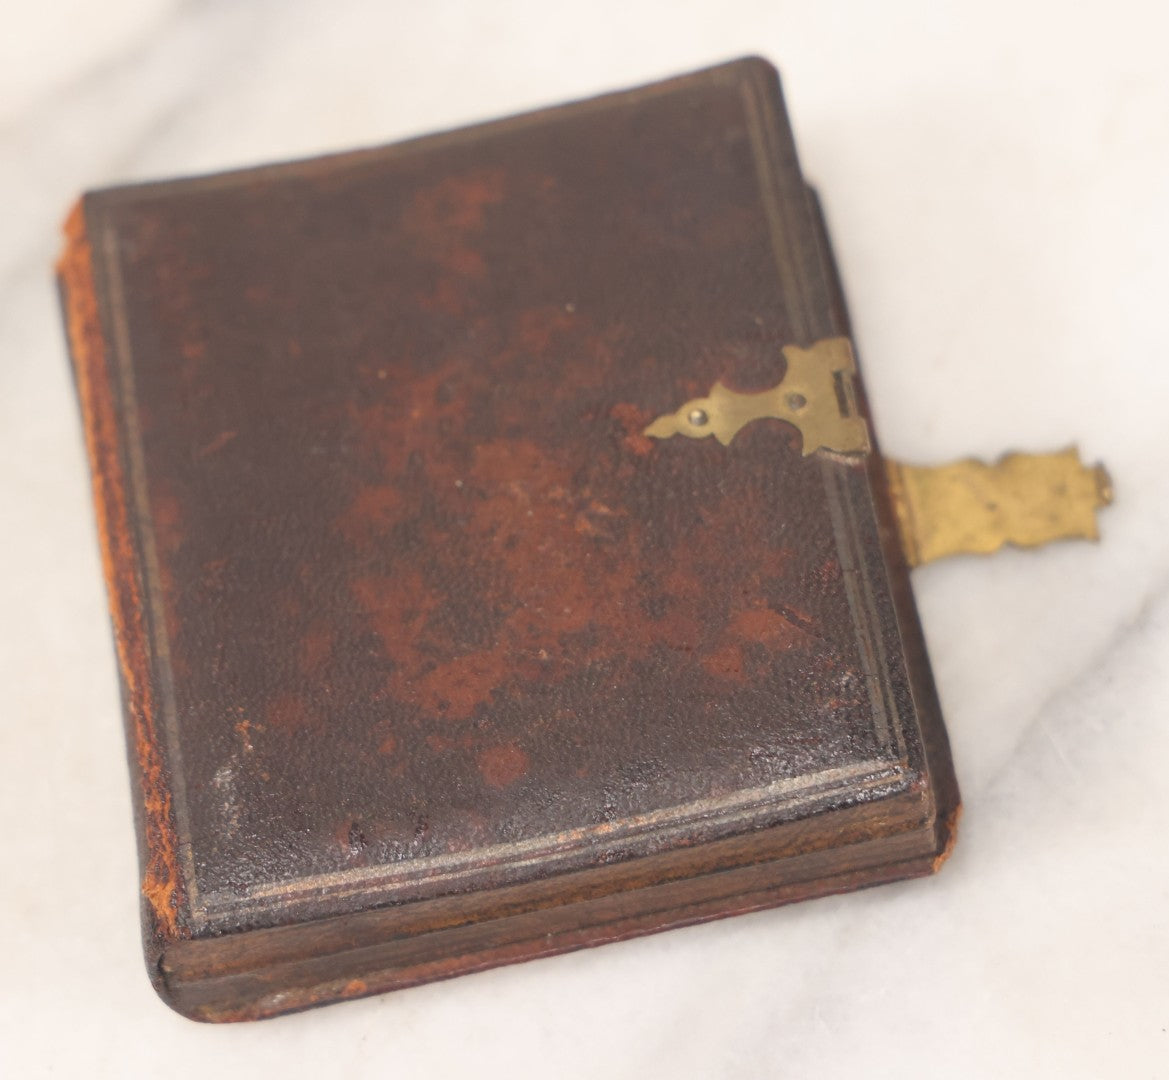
966 507
969 507
816 395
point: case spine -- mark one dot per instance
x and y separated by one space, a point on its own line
161 880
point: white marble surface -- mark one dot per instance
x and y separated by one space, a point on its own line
996 183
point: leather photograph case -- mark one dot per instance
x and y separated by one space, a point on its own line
500 556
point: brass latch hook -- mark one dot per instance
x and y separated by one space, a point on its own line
816 395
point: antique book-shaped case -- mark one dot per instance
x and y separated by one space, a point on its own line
472 600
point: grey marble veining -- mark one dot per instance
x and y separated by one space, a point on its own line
995 181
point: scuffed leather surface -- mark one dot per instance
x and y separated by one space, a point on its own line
419 583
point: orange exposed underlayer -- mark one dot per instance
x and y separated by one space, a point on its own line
951 819
160 874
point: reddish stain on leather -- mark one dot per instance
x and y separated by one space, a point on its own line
315 649
290 712
767 627
633 421
503 765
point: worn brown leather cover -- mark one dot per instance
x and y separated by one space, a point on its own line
432 660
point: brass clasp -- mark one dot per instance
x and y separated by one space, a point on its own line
816 395
969 507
